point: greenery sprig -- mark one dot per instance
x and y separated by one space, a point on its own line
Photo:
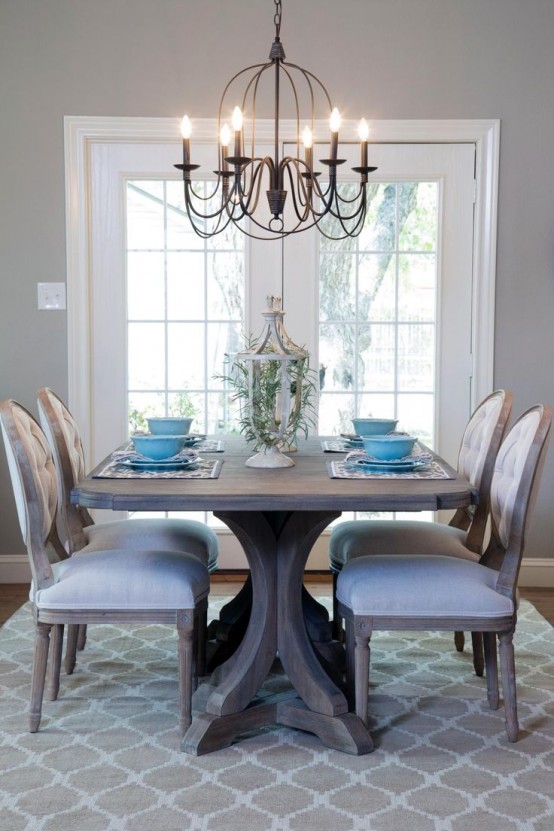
258 421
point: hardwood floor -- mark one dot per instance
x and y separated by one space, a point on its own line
14 595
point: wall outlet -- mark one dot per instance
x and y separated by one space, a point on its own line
51 296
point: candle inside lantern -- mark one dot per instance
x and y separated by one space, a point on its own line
186 130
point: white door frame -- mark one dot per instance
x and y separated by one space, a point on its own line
82 131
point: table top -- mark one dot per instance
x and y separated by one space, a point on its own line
305 487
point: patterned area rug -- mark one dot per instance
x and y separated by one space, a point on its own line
107 755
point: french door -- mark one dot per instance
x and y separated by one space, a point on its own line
395 339
168 306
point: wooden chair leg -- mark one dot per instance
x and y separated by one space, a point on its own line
478 656
459 641
54 666
71 648
508 670
491 665
42 643
350 673
200 645
361 673
185 648
82 636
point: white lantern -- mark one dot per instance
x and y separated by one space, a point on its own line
275 372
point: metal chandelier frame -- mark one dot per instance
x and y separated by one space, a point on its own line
240 177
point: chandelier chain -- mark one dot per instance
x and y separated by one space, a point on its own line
277 17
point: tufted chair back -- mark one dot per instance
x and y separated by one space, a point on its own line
516 475
35 486
479 435
65 440
478 449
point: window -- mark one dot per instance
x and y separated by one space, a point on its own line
185 310
377 313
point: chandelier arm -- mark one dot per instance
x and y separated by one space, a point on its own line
191 209
253 83
300 194
190 186
348 201
249 198
336 212
261 67
359 216
301 187
297 104
307 75
302 208
327 203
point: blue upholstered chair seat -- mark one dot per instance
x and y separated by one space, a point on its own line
190 536
426 586
356 538
125 579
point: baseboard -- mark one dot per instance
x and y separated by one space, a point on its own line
14 568
536 572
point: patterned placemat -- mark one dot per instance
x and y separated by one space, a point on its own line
210 446
342 470
205 469
336 445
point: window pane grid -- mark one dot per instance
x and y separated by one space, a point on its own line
185 309
377 319
402 235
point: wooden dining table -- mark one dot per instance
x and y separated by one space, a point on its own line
277 515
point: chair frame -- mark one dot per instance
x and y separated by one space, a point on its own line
472 519
74 517
37 547
505 560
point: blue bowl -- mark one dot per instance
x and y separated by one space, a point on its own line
169 426
374 426
158 447
387 448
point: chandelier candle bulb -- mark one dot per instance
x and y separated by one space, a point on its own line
363 132
334 124
225 138
237 127
307 140
186 130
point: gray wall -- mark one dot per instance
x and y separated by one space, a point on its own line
382 58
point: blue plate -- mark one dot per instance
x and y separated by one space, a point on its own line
397 466
163 464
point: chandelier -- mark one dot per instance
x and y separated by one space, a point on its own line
242 173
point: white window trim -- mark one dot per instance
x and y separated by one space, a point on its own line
82 131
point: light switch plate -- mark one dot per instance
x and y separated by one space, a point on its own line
51 296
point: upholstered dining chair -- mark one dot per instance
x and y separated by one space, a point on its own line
431 592
171 534
108 586
83 534
462 537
